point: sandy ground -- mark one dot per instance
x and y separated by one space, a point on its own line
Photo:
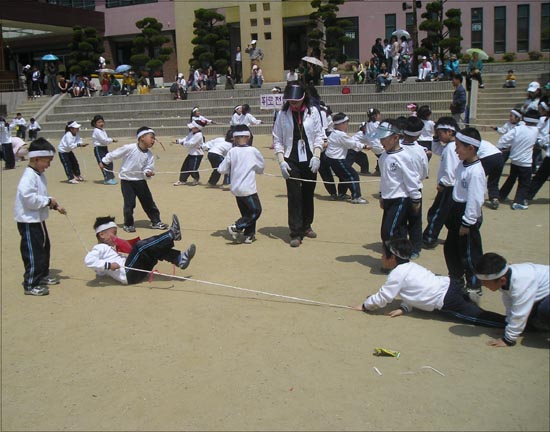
182 355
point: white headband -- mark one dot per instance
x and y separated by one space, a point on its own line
544 106
195 109
530 120
40 153
414 134
337 122
468 140
397 254
237 107
145 132
241 133
516 113
489 277
445 126
105 227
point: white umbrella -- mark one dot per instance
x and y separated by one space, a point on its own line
313 60
482 54
106 70
400 33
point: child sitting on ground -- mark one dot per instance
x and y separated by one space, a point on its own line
525 293
510 80
243 162
107 257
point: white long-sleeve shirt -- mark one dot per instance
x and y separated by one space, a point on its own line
5 133
283 130
521 140
375 143
361 138
417 286
470 186
544 134
449 162
101 256
487 149
31 199
100 138
508 126
218 146
135 163
397 179
339 143
419 158
428 131
193 143
243 163
235 119
528 284
69 142
249 120
33 126
18 122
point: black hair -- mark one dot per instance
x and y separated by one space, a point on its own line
401 123
424 112
229 135
18 114
511 71
414 124
371 113
242 128
245 109
193 112
401 246
457 76
490 263
96 119
41 144
67 128
32 119
447 121
142 129
532 113
403 38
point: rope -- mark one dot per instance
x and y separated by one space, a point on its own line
76 232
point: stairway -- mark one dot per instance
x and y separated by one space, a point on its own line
30 108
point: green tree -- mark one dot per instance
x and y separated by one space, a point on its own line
86 47
211 41
327 33
443 34
149 52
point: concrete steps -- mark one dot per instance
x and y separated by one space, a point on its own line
30 108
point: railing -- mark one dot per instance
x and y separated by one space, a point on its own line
10 85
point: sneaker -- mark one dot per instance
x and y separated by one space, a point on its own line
343 197
359 200
249 239
295 242
80 178
73 181
37 291
187 256
110 182
518 206
310 233
474 294
194 183
233 231
129 228
482 86
494 203
178 183
49 281
159 225
175 228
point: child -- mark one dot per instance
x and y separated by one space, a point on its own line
20 126
32 205
510 81
373 120
194 142
138 165
444 146
493 164
399 184
197 116
424 113
418 287
107 259
100 140
7 147
339 142
521 141
236 116
33 128
243 162
412 108
359 157
543 142
248 119
70 141
217 151
524 288
463 247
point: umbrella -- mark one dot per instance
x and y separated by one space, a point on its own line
400 33
50 57
123 68
313 60
482 54
106 70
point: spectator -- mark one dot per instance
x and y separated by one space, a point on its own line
372 69
510 80
229 79
238 65
383 79
211 78
63 85
377 51
424 69
458 105
475 67
255 53
292 75
451 67
395 50
404 69
256 78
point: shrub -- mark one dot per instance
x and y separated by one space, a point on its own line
465 58
509 57
491 59
534 55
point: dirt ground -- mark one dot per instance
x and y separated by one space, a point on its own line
184 355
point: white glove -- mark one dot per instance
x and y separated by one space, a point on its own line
314 164
285 170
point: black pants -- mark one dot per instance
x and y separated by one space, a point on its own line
493 166
427 145
189 168
145 255
238 72
300 198
414 227
462 252
346 173
70 164
394 220
458 306
33 134
100 152
523 175
360 158
132 189
437 214
8 156
21 132
326 174
540 178
251 209
215 160
35 251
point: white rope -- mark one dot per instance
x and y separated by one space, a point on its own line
77 233
239 288
162 172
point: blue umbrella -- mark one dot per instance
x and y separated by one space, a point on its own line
123 68
50 57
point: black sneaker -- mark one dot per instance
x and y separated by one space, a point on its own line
159 225
233 231
129 228
175 228
187 256
49 281
37 291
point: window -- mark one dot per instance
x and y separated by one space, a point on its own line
500 30
252 7
477 28
120 3
253 36
266 6
545 27
80 4
390 25
523 28
267 35
267 21
351 48
253 22
409 22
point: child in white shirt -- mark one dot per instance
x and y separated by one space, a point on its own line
70 141
193 142
101 140
33 127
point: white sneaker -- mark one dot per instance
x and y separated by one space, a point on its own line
73 181
359 200
233 232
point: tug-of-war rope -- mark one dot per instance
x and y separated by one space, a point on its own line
173 276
